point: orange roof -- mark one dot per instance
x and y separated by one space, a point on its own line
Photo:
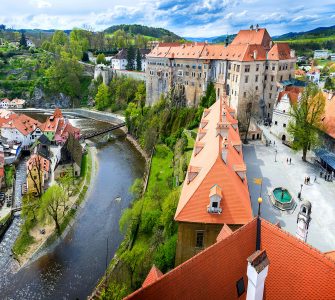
211 170
2 172
153 275
36 159
280 51
296 269
331 255
329 118
225 231
256 37
248 45
22 123
51 124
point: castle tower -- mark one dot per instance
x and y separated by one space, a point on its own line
303 220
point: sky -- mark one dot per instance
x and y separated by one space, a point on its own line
197 18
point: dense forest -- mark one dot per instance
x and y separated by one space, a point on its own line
135 29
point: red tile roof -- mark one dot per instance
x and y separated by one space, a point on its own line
153 275
329 118
280 51
51 124
208 169
253 37
22 123
296 270
248 45
36 159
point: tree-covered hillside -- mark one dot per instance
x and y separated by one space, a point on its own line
143 30
320 32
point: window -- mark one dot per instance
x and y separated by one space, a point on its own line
187 73
256 78
272 77
271 87
281 78
214 204
233 77
236 78
265 77
229 66
180 72
234 67
256 88
240 287
199 243
247 68
238 68
269 105
245 94
257 67
273 67
284 125
246 78
276 123
270 95
235 93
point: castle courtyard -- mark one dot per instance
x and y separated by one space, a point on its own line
260 161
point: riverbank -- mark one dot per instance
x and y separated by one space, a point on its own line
40 240
149 221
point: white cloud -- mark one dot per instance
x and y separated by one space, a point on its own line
41 3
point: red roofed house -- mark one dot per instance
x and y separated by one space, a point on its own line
21 128
271 264
38 172
4 103
281 112
215 191
251 63
57 128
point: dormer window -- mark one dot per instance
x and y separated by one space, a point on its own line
203 123
215 196
198 147
192 173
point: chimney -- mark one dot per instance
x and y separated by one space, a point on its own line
224 150
292 53
226 42
258 266
255 54
222 128
251 27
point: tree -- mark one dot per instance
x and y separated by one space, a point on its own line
130 58
140 96
251 99
53 205
329 85
64 76
36 173
101 59
23 40
138 60
307 119
102 97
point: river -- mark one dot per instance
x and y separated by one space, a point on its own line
71 267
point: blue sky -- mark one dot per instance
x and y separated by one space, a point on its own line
197 18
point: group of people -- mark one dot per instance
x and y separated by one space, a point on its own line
289 160
327 176
308 180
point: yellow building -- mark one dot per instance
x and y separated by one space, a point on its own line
38 170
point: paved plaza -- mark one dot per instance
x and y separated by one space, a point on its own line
261 163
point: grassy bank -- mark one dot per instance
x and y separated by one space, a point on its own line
9 174
151 232
25 239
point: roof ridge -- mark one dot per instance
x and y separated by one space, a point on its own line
303 245
195 257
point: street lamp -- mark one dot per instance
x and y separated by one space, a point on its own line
276 155
299 194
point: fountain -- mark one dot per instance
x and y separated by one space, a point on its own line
282 199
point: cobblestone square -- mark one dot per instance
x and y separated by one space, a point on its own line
261 163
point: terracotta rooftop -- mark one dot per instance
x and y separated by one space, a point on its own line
51 124
248 45
329 118
207 169
296 270
35 160
22 123
153 275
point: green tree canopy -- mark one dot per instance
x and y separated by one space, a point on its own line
307 119
131 58
138 60
101 59
102 97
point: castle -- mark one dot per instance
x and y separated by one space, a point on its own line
249 69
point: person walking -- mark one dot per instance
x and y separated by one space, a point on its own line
290 160
287 160
315 179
